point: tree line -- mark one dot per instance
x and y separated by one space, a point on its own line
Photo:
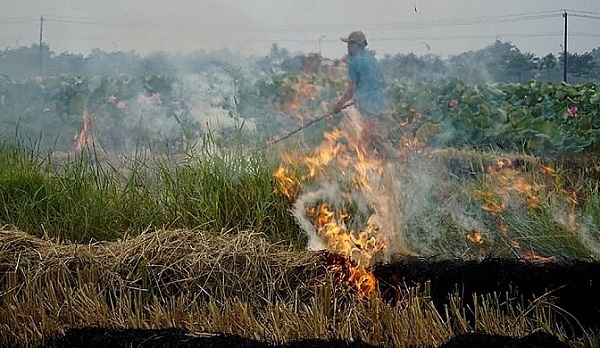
498 62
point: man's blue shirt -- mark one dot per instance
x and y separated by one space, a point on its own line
363 71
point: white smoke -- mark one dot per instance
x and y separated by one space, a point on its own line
210 95
325 192
588 233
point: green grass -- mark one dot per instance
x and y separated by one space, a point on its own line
90 197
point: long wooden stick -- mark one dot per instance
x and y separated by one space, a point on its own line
304 126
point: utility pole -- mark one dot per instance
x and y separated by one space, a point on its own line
565 50
41 38
321 39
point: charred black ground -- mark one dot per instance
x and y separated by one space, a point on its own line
97 337
91 337
573 285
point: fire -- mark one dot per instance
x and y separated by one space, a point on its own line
332 227
508 182
303 91
300 91
364 281
476 237
85 135
338 159
348 272
288 185
362 247
513 185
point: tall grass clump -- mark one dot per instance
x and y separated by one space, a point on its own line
20 180
72 200
226 189
92 195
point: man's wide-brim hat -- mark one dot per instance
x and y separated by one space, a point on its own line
355 36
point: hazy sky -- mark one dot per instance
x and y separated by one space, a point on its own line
443 27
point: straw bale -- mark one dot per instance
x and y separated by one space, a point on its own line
165 263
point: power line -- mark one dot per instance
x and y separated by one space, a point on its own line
418 24
83 36
584 16
583 34
451 21
584 12
18 18
466 37
71 20
259 31
17 21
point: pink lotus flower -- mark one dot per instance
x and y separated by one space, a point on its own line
122 105
453 103
152 99
112 99
573 111
155 98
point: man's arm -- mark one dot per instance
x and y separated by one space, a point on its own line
348 94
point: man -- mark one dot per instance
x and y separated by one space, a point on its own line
366 87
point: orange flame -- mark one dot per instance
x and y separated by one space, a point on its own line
85 135
361 249
476 237
364 281
507 183
288 185
302 91
338 155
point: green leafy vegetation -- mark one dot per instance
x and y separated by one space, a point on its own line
537 118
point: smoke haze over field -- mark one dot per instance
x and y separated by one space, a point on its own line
251 27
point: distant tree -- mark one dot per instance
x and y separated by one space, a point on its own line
506 62
580 66
548 62
109 63
195 62
520 66
272 63
428 67
547 69
68 64
472 66
596 54
24 61
157 63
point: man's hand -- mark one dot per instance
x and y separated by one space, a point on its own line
342 102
